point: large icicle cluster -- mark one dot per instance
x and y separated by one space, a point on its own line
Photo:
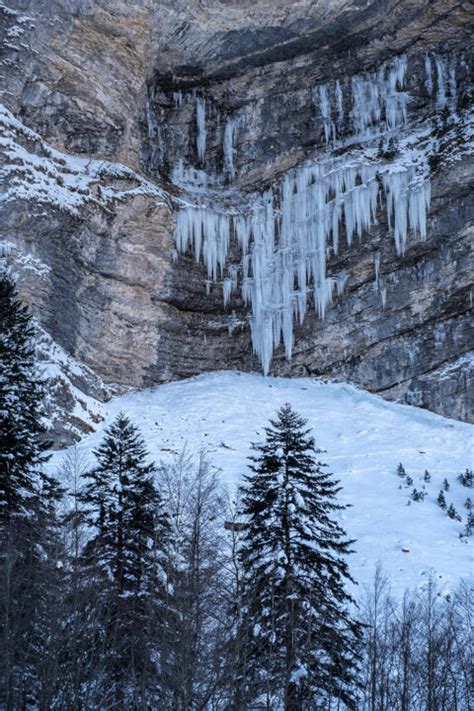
372 96
284 238
379 101
285 235
446 82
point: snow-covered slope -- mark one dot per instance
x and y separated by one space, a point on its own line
364 437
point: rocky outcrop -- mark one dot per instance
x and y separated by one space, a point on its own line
119 113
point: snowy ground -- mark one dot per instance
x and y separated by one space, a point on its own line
365 438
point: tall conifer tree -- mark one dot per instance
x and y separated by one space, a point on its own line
125 561
299 640
24 505
22 434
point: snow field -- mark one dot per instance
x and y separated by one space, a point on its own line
364 436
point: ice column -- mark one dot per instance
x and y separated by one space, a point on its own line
428 74
201 128
229 139
408 199
325 109
441 98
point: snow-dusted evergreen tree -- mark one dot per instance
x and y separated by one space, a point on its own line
441 500
22 434
125 562
299 641
50 587
24 512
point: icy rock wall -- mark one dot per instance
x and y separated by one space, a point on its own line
286 234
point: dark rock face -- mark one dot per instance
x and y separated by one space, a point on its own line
119 81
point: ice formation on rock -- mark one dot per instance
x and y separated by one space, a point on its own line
446 81
201 128
230 129
285 236
372 96
428 74
441 98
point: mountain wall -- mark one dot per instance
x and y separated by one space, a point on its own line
235 185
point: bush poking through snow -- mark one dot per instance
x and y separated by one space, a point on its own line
467 478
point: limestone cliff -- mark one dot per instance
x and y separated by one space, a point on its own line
122 118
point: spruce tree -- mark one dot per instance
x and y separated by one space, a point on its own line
22 434
299 640
401 470
23 509
125 560
47 636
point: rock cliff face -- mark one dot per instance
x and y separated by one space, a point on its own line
273 123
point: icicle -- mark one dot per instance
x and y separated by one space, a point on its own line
201 128
452 83
227 290
419 203
325 109
178 98
339 104
229 139
377 270
441 99
377 91
428 74
396 187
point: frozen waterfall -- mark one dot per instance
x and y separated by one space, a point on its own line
373 96
285 236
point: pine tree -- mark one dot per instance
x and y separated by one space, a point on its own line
445 484
418 495
299 639
427 476
23 558
22 435
469 523
126 559
47 637
401 470
441 500
466 478
452 513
